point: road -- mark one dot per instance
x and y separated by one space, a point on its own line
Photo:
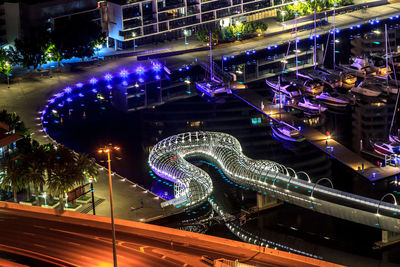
62 241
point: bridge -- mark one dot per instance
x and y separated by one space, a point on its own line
193 186
46 237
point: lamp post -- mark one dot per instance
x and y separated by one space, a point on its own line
8 74
238 23
98 47
108 149
134 41
186 33
92 191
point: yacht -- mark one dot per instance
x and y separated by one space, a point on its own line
360 68
212 87
386 148
367 89
395 138
307 105
289 89
285 131
332 99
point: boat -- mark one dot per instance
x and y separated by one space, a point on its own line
367 89
290 89
361 67
309 85
284 131
332 99
212 87
307 105
384 149
395 138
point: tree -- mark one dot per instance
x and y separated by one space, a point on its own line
14 122
30 49
5 63
11 176
34 166
64 174
77 37
52 53
87 167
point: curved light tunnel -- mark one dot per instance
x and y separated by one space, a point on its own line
193 185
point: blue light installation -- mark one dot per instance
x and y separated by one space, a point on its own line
140 70
108 77
68 90
124 73
93 81
79 85
157 67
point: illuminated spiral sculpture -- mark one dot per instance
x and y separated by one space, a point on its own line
193 186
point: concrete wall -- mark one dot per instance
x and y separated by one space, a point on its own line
266 255
114 21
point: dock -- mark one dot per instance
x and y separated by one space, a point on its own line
330 147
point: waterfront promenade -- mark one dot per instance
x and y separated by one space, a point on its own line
328 145
28 94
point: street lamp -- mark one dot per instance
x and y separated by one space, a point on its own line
99 46
108 149
8 74
134 41
283 13
238 23
92 191
186 33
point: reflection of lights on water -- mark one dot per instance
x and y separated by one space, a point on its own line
68 90
94 90
80 95
124 83
69 99
79 85
141 80
93 81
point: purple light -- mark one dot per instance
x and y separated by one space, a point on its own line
124 73
108 77
69 99
79 85
93 81
81 95
139 70
94 90
68 90
156 67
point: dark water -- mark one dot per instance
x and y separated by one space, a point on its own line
88 122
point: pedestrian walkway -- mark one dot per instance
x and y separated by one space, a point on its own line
326 144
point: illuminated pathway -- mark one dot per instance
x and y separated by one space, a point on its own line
193 186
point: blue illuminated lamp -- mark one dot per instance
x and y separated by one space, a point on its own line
69 99
337 30
140 70
358 25
225 58
141 80
124 74
79 85
108 77
68 90
269 48
275 46
93 81
81 95
351 27
156 67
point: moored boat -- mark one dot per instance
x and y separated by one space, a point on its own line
332 99
285 131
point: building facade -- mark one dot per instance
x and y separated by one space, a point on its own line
8 142
133 22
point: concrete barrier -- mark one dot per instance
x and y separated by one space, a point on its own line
165 234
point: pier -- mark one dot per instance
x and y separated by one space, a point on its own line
326 144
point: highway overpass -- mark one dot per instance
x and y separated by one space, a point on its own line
76 239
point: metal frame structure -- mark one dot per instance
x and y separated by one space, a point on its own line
193 186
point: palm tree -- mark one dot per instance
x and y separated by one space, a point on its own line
64 173
11 176
34 169
87 167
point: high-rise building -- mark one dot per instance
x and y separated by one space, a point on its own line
133 22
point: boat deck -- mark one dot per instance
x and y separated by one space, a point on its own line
331 147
